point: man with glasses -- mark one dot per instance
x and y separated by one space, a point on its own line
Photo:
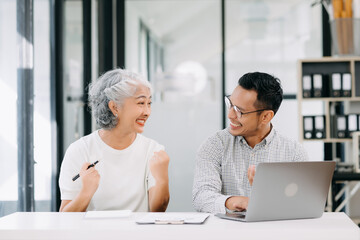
225 164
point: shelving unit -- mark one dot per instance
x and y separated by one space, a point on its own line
340 191
327 66
356 152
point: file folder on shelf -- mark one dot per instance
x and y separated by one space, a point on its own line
346 85
352 124
339 126
335 86
319 127
308 127
318 85
307 86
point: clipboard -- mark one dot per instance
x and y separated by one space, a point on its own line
173 218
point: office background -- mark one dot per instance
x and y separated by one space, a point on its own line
193 52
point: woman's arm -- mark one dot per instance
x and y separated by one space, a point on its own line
159 194
90 181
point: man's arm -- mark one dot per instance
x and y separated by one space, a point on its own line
207 186
240 203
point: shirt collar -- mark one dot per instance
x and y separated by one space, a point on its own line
265 141
270 136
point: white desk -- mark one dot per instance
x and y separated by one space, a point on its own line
51 225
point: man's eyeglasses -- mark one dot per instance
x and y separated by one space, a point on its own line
239 114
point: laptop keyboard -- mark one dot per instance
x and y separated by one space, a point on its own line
237 214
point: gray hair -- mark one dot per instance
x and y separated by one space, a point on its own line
115 85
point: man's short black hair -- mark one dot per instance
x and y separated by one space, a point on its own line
268 88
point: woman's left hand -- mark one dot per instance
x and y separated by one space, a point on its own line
159 164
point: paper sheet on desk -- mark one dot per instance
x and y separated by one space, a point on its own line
108 214
173 218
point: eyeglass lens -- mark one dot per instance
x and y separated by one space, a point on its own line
229 105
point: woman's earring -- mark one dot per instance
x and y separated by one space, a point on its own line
116 115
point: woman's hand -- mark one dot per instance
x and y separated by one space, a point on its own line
90 182
90 179
159 194
159 164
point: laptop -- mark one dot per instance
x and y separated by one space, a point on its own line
287 190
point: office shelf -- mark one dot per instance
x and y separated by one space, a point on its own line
328 66
332 99
334 106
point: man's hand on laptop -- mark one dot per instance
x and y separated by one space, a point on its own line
251 174
237 203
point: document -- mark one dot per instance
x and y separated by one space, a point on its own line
173 218
108 214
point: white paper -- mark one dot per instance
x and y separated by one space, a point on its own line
108 214
174 217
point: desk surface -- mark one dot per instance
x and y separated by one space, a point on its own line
52 225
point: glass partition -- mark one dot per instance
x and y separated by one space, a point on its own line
8 96
177 45
73 72
9 59
270 36
42 121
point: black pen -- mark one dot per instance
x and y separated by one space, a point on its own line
91 165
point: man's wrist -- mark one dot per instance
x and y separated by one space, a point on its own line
220 203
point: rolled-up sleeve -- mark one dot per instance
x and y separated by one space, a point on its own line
206 195
70 166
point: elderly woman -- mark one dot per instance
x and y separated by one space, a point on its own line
132 172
